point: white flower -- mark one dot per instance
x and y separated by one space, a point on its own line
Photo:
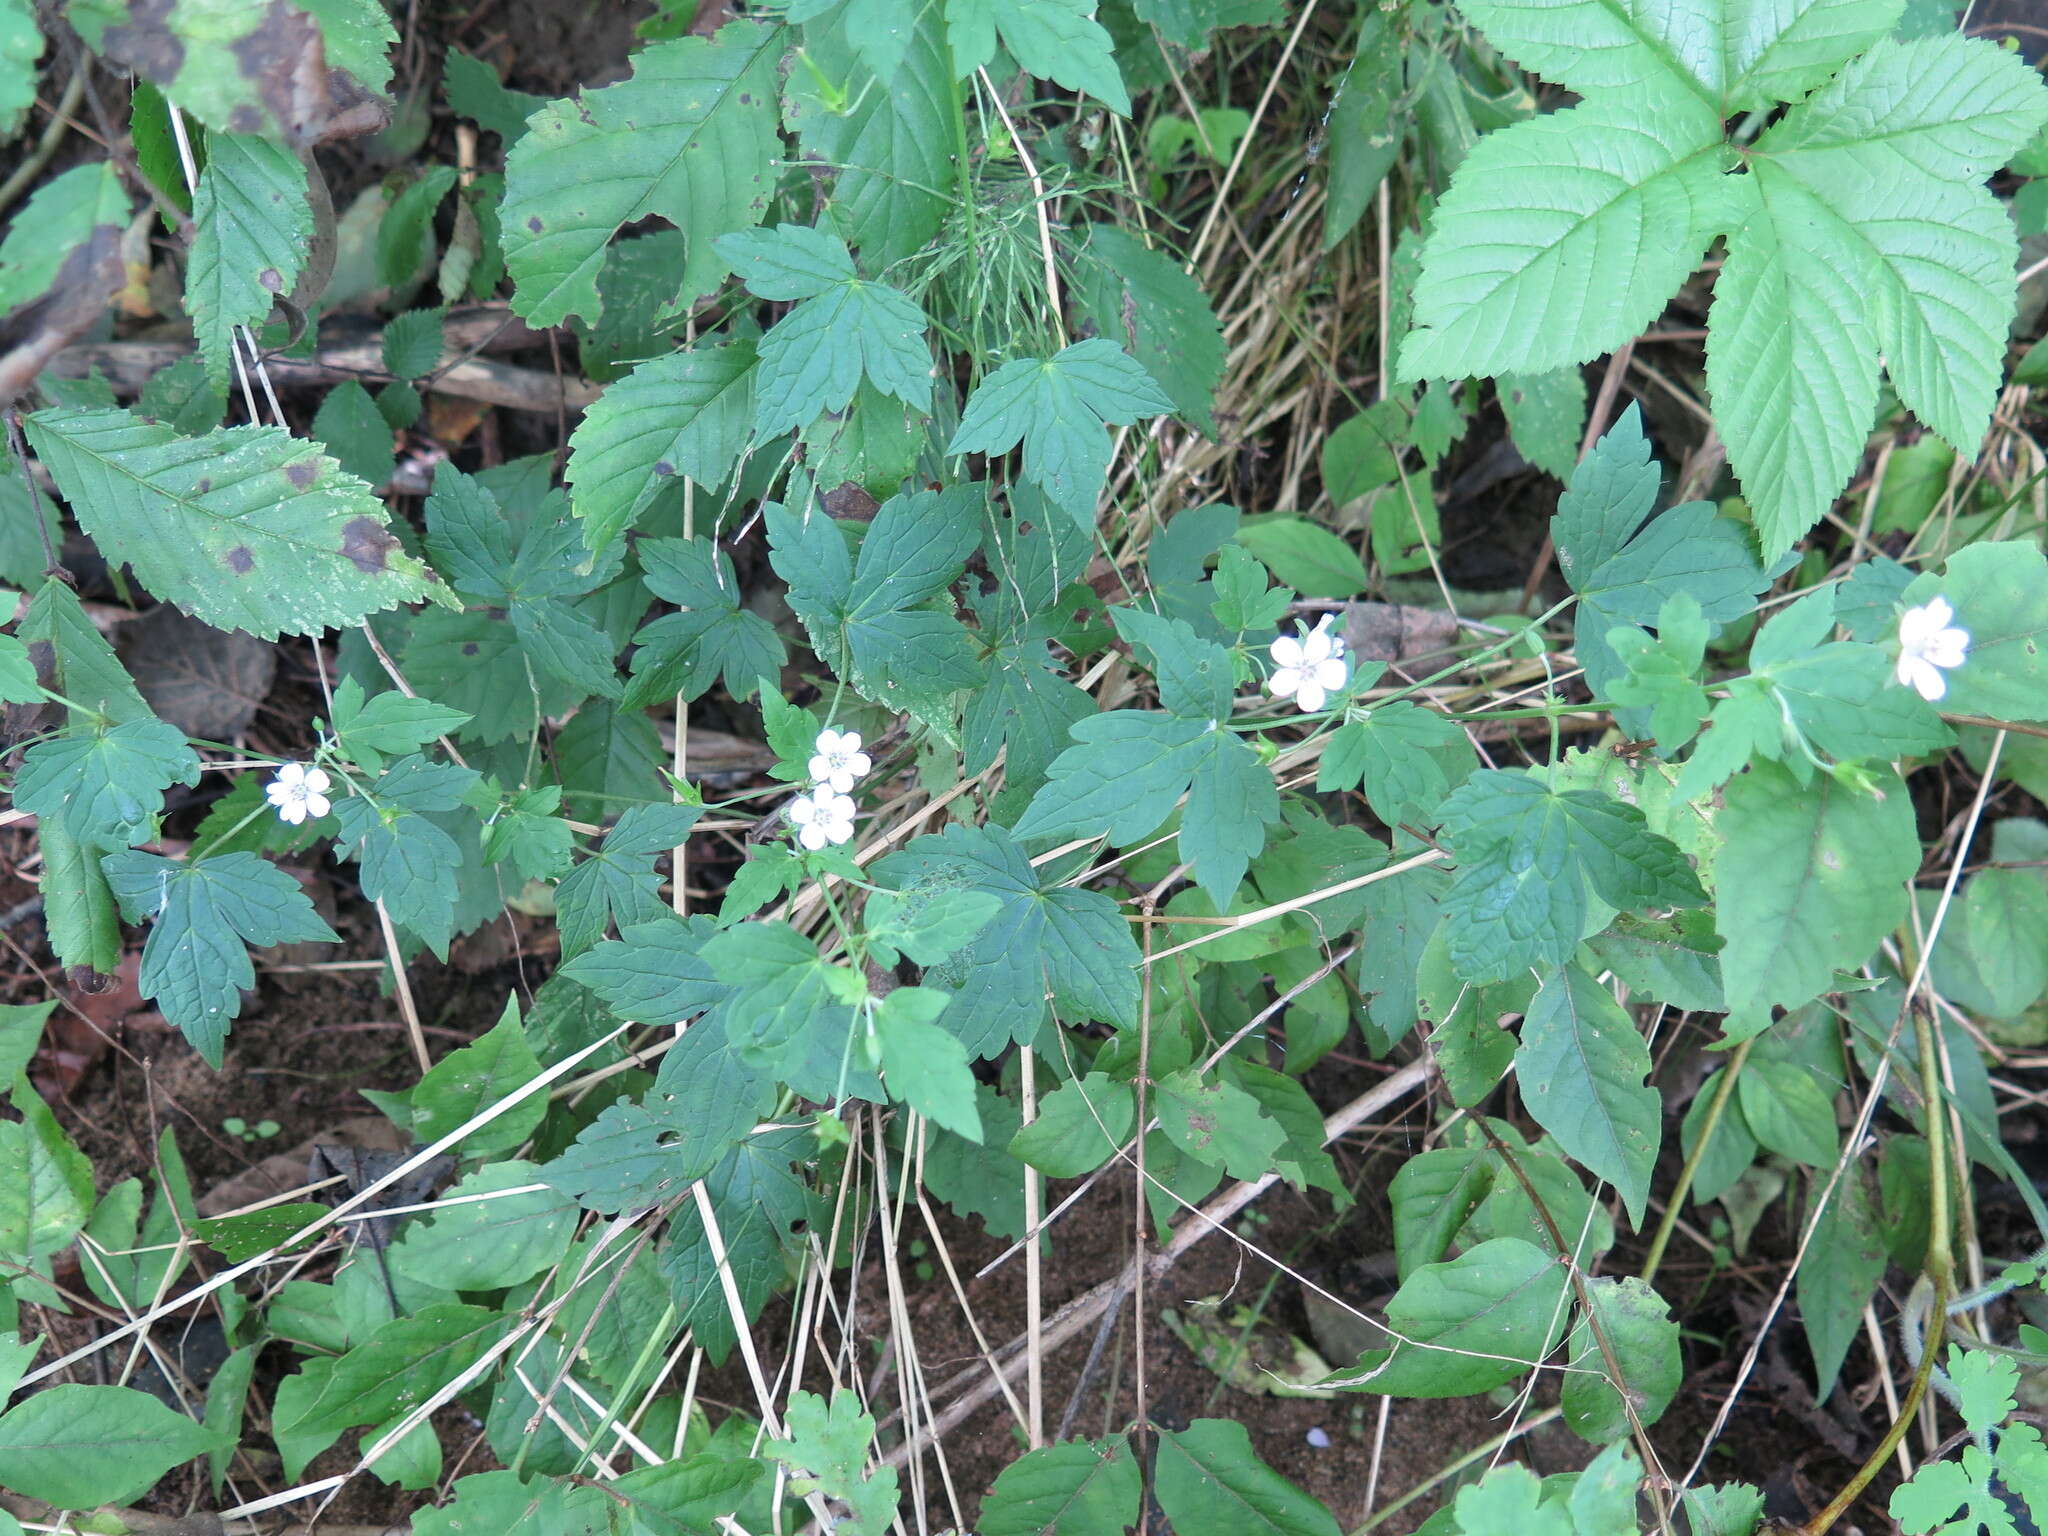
1309 668
298 792
1928 643
822 817
839 760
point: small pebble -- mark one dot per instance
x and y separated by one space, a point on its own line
1319 1437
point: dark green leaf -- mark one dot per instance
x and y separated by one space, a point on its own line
1582 1066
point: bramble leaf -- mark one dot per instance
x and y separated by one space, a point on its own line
252 225
244 528
686 414
690 138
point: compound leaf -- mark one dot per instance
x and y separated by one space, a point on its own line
194 964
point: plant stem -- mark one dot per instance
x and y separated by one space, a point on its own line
1937 1271
1676 1201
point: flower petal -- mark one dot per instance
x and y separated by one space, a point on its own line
1285 681
1310 698
1926 678
1331 674
1286 651
318 805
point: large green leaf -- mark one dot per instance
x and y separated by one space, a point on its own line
107 786
78 1446
1605 187
1635 1324
487 1236
710 633
757 1196
1809 881
690 138
45 1182
1469 1325
1582 1065
244 528
195 966
253 226
1143 297
399 1366
687 414
1843 1266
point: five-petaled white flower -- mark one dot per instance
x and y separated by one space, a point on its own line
1928 642
839 761
1310 667
822 817
298 792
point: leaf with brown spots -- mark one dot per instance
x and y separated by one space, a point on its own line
244 528
237 67
690 138
254 226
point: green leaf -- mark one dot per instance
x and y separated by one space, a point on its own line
389 725
2000 595
1529 857
618 882
704 1102
1582 1065
1080 1126
874 627
1059 40
77 1447
21 1031
1600 186
1786 1109
252 227
1210 1482
1060 409
1546 415
407 861
829 1446
495 1239
78 909
756 1197
923 1065
654 972
465 1082
405 235
845 329
194 965
1365 132
45 1183
1306 556
1129 768
1075 1488
892 146
1626 569
355 433
1044 939
1194 675
1218 1122
925 925
1470 1325
475 92
1403 756
1509 1498
359 37
690 138
84 667
1724 1509
21 44
1143 298
1674 960
107 788
711 634
689 413
412 343
1637 1325
70 228
785 996
398 1367
528 834
1729 1154
1843 1266
244 528
237 71
1809 880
